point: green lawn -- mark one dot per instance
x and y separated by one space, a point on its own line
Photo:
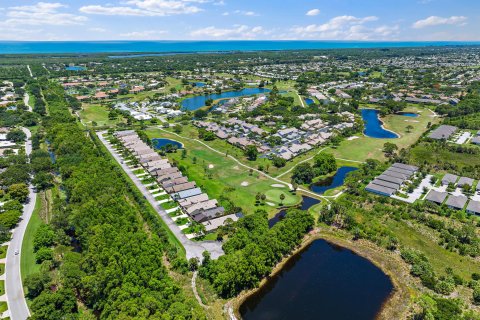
3 252
3 306
218 175
169 205
97 113
27 259
2 287
366 147
273 195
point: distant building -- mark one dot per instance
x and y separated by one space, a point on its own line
443 132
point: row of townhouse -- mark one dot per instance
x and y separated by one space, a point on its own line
191 199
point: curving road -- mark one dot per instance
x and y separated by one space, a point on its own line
17 304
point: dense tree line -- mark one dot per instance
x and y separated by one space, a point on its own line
253 249
116 267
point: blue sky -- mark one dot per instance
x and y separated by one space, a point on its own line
395 20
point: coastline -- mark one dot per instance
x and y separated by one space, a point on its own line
395 306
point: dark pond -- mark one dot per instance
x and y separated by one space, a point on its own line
197 102
408 114
307 202
161 142
323 281
374 127
309 101
332 182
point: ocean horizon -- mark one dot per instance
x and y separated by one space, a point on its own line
171 46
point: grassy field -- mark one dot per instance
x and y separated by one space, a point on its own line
365 147
423 153
439 257
97 113
28 265
219 175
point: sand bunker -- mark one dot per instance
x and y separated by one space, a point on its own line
244 184
352 138
211 166
270 204
277 185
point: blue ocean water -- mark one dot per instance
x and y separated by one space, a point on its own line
25 47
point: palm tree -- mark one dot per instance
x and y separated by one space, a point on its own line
409 128
282 197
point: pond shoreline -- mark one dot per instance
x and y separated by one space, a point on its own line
395 305
382 125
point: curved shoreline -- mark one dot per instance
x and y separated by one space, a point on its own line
395 305
183 146
381 125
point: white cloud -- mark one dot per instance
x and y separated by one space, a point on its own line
246 13
146 8
42 13
436 21
144 35
313 12
236 32
96 29
345 28
241 13
341 27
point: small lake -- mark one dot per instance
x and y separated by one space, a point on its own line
75 68
158 143
332 182
309 101
374 127
307 202
197 102
407 114
324 281
200 84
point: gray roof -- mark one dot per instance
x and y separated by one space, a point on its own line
395 174
386 184
449 178
457 202
187 193
408 173
436 196
375 188
405 166
465 180
442 132
475 140
474 206
217 222
390 179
